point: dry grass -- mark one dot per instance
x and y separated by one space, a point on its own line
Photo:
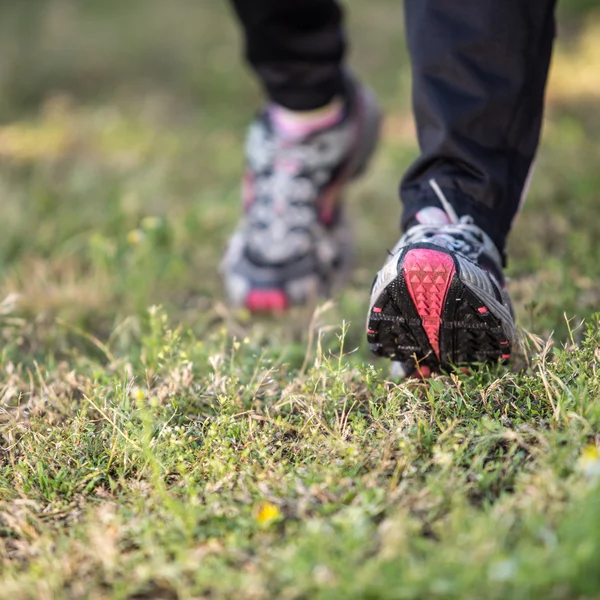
191 452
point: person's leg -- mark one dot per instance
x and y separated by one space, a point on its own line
316 133
296 47
479 73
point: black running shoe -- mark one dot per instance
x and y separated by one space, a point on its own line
440 300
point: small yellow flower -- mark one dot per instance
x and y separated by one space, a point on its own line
149 223
591 453
589 461
137 394
135 237
267 513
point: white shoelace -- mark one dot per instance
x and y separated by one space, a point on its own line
461 235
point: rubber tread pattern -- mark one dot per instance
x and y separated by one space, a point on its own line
468 332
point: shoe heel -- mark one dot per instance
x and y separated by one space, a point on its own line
428 274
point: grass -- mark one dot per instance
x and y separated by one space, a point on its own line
156 445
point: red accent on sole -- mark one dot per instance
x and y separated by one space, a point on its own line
376 309
370 331
505 356
267 301
483 310
428 274
421 372
424 372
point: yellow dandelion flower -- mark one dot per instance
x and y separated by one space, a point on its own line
135 237
149 223
591 452
589 461
267 513
137 394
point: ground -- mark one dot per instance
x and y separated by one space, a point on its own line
155 444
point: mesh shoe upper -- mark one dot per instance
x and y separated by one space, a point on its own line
292 238
464 238
284 190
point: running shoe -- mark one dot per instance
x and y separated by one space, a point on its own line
293 244
440 300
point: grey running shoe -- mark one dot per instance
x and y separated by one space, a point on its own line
292 244
440 300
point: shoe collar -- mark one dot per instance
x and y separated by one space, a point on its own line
445 223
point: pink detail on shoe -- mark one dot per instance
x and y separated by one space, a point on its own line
291 167
482 310
330 200
370 331
294 125
504 343
377 309
432 215
428 297
267 301
247 190
505 356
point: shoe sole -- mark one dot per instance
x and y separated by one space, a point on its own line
429 318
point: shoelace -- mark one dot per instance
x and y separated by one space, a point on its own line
281 220
461 235
284 195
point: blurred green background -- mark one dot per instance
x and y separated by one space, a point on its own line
121 131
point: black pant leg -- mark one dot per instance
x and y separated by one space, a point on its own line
479 76
296 47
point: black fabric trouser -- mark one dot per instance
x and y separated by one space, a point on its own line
479 73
